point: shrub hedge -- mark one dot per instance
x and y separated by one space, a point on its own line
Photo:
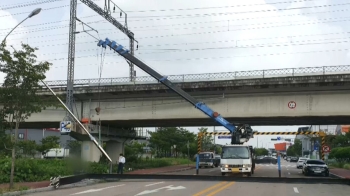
33 170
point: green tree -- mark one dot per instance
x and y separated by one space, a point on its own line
163 140
28 147
74 147
133 151
48 143
207 141
295 149
261 151
19 93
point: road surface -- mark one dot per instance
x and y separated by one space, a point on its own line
201 188
288 170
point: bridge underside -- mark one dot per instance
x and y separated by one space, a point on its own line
256 121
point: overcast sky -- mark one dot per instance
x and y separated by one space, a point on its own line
188 37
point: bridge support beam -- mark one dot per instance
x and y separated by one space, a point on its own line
89 152
113 149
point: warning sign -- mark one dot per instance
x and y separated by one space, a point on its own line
292 105
326 149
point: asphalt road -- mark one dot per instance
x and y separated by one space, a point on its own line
200 188
288 170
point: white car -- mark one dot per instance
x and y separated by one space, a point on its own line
301 162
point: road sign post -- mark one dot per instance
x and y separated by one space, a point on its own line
279 164
197 164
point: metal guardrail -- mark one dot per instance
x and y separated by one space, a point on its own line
287 72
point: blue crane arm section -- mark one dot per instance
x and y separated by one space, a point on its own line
163 79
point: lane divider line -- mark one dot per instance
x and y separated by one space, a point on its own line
154 184
209 189
221 189
295 190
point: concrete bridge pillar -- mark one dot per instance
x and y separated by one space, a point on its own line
113 149
89 152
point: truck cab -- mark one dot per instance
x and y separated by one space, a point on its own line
206 159
237 159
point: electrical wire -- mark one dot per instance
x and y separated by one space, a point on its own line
215 42
227 57
235 19
212 32
188 34
221 7
3 7
246 46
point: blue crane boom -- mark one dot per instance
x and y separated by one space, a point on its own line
236 135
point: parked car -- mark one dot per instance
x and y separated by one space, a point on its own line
269 160
314 166
294 159
288 158
300 162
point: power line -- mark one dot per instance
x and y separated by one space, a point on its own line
219 7
239 19
213 58
288 25
32 3
143 20
212 32
219 48
278 44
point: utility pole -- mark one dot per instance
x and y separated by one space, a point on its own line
124 29
71 56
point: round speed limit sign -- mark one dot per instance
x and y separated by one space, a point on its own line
292 105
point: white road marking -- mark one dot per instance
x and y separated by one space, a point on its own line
295 189
96 190
212 170
169 188
154 184
288 173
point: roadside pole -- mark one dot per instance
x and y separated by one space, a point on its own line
197 164
188 152
279 163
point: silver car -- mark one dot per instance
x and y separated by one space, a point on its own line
301 162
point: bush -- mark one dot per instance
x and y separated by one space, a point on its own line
33 170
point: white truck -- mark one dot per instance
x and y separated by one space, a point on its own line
237 159
206 159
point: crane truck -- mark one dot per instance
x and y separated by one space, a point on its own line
235 155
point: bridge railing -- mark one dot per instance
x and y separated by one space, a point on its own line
269 73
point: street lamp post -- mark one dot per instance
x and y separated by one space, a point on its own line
33 13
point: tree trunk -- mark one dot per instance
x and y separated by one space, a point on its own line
14 155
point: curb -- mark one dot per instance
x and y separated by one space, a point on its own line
336 176
177 170
45 189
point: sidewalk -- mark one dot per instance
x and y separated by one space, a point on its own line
29 185
174 168
341 173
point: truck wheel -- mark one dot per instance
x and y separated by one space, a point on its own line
250 174
223 173
200 166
